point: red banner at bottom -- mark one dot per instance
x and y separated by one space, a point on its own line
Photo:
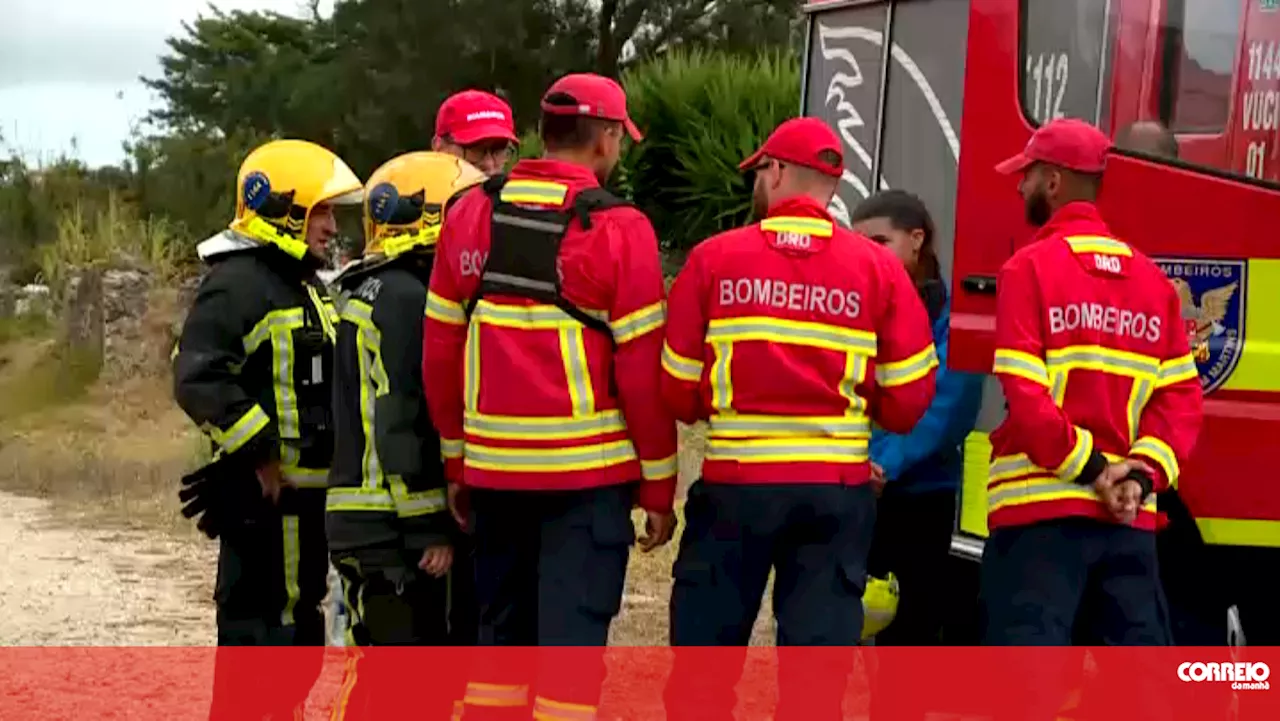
641 684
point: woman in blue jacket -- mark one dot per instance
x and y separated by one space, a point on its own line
920 470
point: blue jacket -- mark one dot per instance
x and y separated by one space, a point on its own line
929 457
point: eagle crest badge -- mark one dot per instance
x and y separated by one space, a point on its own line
1212 292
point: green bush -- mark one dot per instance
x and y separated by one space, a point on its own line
702 114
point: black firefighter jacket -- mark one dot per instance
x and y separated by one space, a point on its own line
253 366
387 488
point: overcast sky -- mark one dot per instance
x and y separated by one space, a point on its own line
69 68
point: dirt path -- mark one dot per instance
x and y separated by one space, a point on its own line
63 584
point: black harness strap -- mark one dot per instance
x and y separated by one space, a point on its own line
524 250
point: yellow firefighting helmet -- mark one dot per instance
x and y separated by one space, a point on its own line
406 199
879 605
279 184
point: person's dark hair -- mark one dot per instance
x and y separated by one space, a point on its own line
906 212
567 132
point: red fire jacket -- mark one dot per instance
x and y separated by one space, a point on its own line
522 394
1094 363
790 336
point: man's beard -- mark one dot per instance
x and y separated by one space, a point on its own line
759 202
1038 210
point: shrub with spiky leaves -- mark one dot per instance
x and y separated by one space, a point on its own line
702 113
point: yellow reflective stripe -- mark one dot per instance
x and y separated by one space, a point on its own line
1073 465
1058 386
573 351
1240 532
776 330
633 325
240 432
1139 395
1105 360
529 317
305 477
398 244
1177 370
471 378
791 224
359 499
1023 365
326 312
292 552
492 694
411 504
721 378
1038 489
444 310
543 427
1098 244
681 368
855 372
788 450
365 358
908 370
550 460
659 470
273 322
1003 468
1160 452
450 448
534 191
761 426
545 709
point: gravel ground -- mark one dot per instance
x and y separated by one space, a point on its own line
72 586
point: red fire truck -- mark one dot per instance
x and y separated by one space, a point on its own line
928 95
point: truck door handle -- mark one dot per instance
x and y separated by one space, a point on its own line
981 284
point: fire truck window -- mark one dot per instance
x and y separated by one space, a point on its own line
1202 38
1062 46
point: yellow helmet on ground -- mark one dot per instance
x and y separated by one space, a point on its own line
406 199
278 186
879 605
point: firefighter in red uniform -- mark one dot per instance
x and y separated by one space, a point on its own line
790 336
543 335
1104 405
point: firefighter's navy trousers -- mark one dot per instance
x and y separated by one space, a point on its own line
1041 580
815 537
550 567
272 575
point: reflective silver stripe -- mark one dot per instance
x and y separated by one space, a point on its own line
543 226
1016 363
358 499
305 477
420 503
519 282
1073 465
609 421
471 380
721 390
450 448
639 323
770 329
1177 370
789 450
444 310
855 372
741 426
1161 453
660 469
550 459
1099 359
545 316
1020 490
917 366
292 554
1139 395
574 352
686 369
248 426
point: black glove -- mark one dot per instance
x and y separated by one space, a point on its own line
222 494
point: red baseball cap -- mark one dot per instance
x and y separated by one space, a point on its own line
472 115
595 96
801 141
1067 143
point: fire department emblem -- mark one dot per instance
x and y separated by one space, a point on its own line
1212 294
